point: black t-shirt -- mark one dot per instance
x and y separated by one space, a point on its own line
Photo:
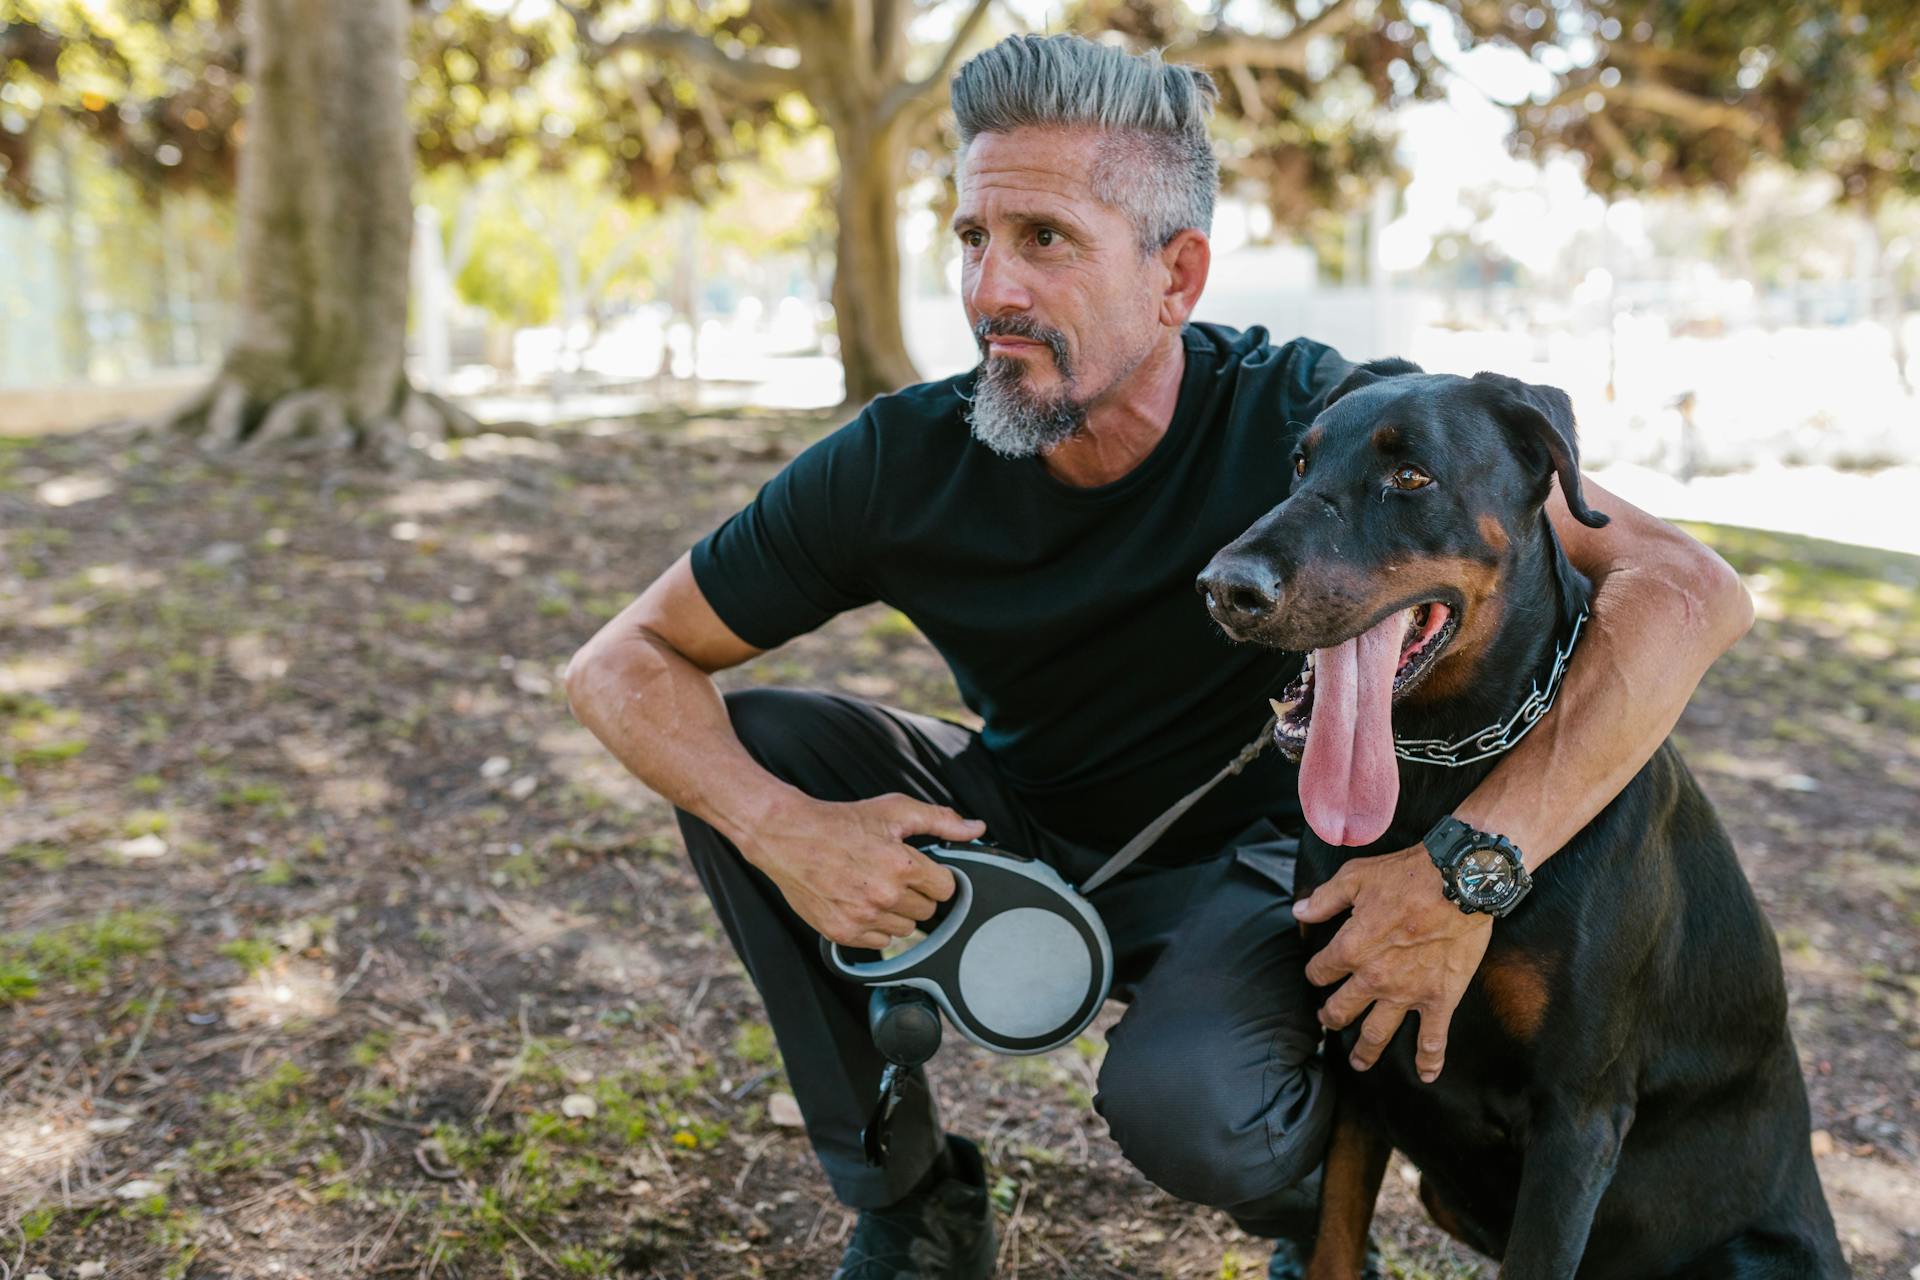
1068 615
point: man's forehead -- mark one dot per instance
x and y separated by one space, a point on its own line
1057 162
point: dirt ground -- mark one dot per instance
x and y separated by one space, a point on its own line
330 946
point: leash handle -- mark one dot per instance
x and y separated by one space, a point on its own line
1158 827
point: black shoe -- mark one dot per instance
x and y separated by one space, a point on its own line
939 1232
1290 1261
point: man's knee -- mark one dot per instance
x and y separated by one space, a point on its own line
1230 1139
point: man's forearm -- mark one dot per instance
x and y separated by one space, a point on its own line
1657 625
662 717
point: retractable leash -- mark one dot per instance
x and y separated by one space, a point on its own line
1017 958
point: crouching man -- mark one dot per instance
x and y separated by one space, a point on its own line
1041 520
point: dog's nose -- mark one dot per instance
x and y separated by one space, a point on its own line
1239 591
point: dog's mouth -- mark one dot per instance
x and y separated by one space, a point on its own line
1429 628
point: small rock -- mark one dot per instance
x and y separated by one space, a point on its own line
784 1111
221 554
146 846
38 1275
91 1270
581 1106
1795 782
1822 1143
528 680
496 766
523 786
139 1189
641 1187
106 1127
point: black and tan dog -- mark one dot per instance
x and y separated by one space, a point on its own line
1621 1098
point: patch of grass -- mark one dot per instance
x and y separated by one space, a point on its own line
143 822
753 1043
253 795
50 752
39 854
35 1223
369 1049
147 784
253 954
78 953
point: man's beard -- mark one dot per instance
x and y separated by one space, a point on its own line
1007 415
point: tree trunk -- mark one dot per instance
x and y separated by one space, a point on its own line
326 226
866 277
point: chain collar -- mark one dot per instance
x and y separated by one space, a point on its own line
1495 738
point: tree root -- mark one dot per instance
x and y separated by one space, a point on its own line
226 419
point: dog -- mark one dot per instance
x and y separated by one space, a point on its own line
1621 1098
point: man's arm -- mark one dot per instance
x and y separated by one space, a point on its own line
643 686
1664 609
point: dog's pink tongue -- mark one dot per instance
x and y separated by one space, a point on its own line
1349 783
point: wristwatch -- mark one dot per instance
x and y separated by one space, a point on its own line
1480 871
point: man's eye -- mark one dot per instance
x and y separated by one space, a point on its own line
1410 477
1300 466
1045 237
973 238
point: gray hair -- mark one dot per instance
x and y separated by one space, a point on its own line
1156 164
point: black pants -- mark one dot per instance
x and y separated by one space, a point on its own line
1211 1084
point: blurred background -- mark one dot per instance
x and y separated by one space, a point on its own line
1701 219
358 360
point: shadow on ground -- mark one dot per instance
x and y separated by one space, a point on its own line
332 947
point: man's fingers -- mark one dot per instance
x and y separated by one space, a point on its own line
915 905
928 878
1328 901
1344 1005
1432 1052
1328 965
893 924
1376 1033
919 818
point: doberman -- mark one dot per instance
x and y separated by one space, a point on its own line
1621 1098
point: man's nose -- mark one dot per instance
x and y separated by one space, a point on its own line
997 287
1241 590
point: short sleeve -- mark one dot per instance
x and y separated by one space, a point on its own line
798 553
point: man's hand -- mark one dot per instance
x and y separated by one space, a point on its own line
845 869
1405 948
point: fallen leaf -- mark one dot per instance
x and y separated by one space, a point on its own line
580 1106
784 1111
139 1189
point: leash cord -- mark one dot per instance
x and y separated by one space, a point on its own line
1158 827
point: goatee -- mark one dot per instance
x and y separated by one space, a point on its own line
1007 415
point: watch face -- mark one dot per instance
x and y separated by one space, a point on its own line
1484 877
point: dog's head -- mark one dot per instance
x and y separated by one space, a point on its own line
1414 496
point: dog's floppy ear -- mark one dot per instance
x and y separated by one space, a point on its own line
1369 373
1541 421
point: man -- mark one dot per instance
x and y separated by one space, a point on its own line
1041 520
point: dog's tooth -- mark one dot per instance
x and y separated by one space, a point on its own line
1278 708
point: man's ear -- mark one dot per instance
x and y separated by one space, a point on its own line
1187 258
1370 373
1540 421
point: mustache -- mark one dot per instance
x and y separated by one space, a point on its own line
1019 326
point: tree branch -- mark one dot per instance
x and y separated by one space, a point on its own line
1226 45
908 92
1664 100
692 51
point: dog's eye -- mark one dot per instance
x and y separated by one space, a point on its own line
1300 466
1410 477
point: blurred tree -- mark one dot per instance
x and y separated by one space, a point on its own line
1679 94
853 64
326 226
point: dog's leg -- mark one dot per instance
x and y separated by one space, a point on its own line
1356 1161
1569 1162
